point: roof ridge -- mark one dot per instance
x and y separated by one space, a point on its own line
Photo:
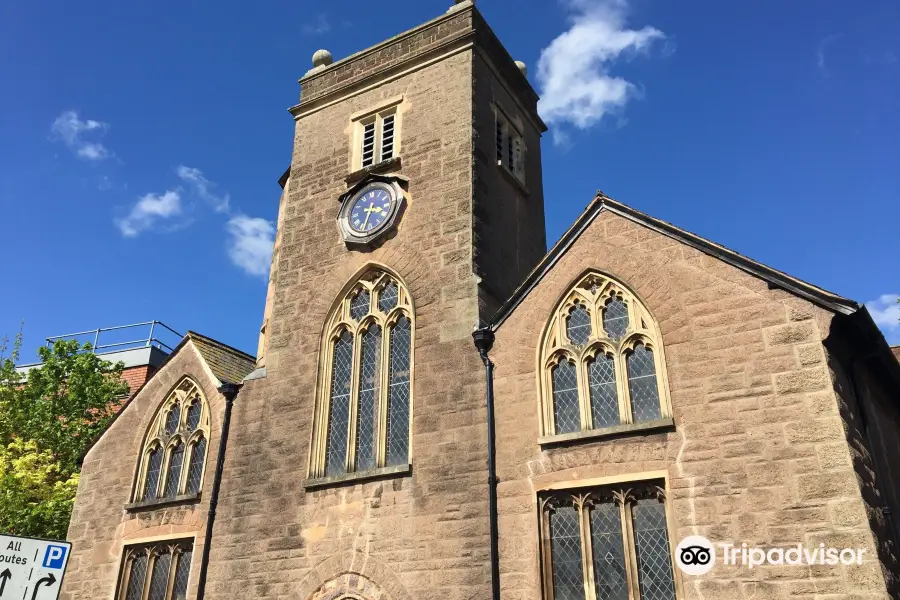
191 334
601 201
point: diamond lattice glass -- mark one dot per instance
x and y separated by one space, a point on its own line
565 553
578 325
651 543
154 464
359 306
642 385
610 580
566 411
615 318
367 408
173 473
339 412
397 438
136 576
604 395
195 472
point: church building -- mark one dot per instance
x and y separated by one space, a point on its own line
629 387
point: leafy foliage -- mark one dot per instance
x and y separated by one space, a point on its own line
47 419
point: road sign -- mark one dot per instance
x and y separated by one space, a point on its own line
31 569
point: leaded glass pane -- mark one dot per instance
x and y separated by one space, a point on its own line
173 474
566 411
397 438
615 318
604 396
136 576
610 581
367 408
182 574
339 411
642 384
359 306
651 543
195 472
172 419
193 418
388 297
154 463
159 579
565 554
578 325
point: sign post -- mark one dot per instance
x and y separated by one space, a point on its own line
31 569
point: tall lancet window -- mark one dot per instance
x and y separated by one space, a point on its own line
365 396
173 458
601 362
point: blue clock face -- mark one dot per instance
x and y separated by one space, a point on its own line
370 209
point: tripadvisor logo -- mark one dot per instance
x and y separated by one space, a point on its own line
696 555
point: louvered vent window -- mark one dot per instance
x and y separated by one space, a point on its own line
377 137
368 147
387 137
510 147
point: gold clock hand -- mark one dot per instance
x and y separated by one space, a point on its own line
368 212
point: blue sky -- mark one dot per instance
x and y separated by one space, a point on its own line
142 142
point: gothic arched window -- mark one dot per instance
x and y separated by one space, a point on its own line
174 452
601 361
365 395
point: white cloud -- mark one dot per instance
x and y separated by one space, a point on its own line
820 51
201 185
885 312
251 243
317 27
71 130
150 210
574 70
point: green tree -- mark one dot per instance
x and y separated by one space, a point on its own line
47 419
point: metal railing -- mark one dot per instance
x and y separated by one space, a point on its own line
148 341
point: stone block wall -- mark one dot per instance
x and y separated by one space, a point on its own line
758 453
422 535
101 527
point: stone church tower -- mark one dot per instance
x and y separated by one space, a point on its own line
650 385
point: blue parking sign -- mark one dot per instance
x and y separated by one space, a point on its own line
55 557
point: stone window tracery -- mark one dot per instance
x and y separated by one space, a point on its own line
158 571
365 396
173 455
601 361
607 543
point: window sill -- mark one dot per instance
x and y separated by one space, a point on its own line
159 502
607 432
513 179
322 482
390 164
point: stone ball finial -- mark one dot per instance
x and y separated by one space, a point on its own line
522 67
322 58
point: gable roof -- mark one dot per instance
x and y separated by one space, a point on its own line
602 202
896 351
227 364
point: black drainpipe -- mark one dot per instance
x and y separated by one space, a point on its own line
484 341
229 390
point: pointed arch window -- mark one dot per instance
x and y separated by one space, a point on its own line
601 362
365 397
173 456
